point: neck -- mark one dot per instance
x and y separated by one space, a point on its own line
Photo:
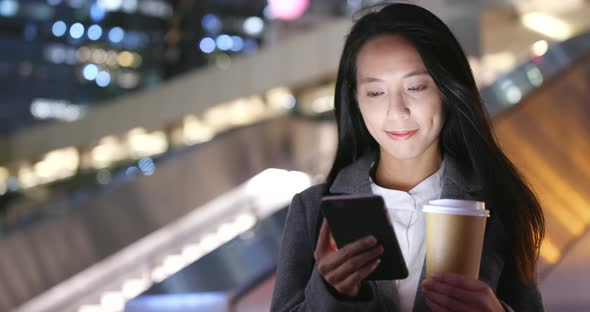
405 174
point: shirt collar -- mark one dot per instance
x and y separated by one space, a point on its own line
355 179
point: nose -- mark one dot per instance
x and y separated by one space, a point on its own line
397 108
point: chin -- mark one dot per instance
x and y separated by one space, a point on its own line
403 154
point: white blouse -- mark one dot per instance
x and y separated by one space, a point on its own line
405 212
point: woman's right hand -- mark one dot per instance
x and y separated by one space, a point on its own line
346 268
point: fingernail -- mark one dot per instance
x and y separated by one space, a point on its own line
377 262
436 275
371 240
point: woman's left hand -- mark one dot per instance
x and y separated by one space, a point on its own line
453 292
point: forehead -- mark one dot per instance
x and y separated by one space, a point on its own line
388 53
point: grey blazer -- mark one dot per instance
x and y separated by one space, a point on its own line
299 286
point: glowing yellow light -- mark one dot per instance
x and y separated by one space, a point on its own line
549 251
194 131
108 151
280 98
4 175
547 25
125 59
143 144
27 177
540 47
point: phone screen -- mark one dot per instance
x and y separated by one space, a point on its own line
352 217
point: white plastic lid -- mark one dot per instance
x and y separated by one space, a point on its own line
457 206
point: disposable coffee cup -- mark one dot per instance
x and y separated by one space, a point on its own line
454 236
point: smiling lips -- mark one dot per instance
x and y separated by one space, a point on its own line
401 135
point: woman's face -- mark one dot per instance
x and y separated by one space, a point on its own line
400 103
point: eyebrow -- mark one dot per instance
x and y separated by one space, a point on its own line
408 75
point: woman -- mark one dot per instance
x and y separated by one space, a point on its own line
412 128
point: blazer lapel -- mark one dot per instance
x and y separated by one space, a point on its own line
355 179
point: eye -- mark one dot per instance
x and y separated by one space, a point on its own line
418 88
374 93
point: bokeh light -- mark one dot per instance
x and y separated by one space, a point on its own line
224 42
207 45
90 72
59 28
103 79
94 32
288 9
77 31
253 26
116 34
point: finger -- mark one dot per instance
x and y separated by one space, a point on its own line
358 246
333 260
460 294
354 279
434 307
355 263
336 259
446 302
460 281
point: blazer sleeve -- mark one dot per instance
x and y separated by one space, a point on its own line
298 284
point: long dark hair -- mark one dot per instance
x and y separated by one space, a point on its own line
466 134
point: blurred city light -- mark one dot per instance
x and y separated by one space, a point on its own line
253 26
110 5
94 32
540 47
97 13
207 45
547 25
211 23
194 131
90 72
55 109
76 31
288 9
224 42
144 144
237 43
147 166
108 151
125 58
534 75
280 98
103 79
59 28
8 7
4 175
116 34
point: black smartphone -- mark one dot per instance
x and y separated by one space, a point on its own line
351 217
